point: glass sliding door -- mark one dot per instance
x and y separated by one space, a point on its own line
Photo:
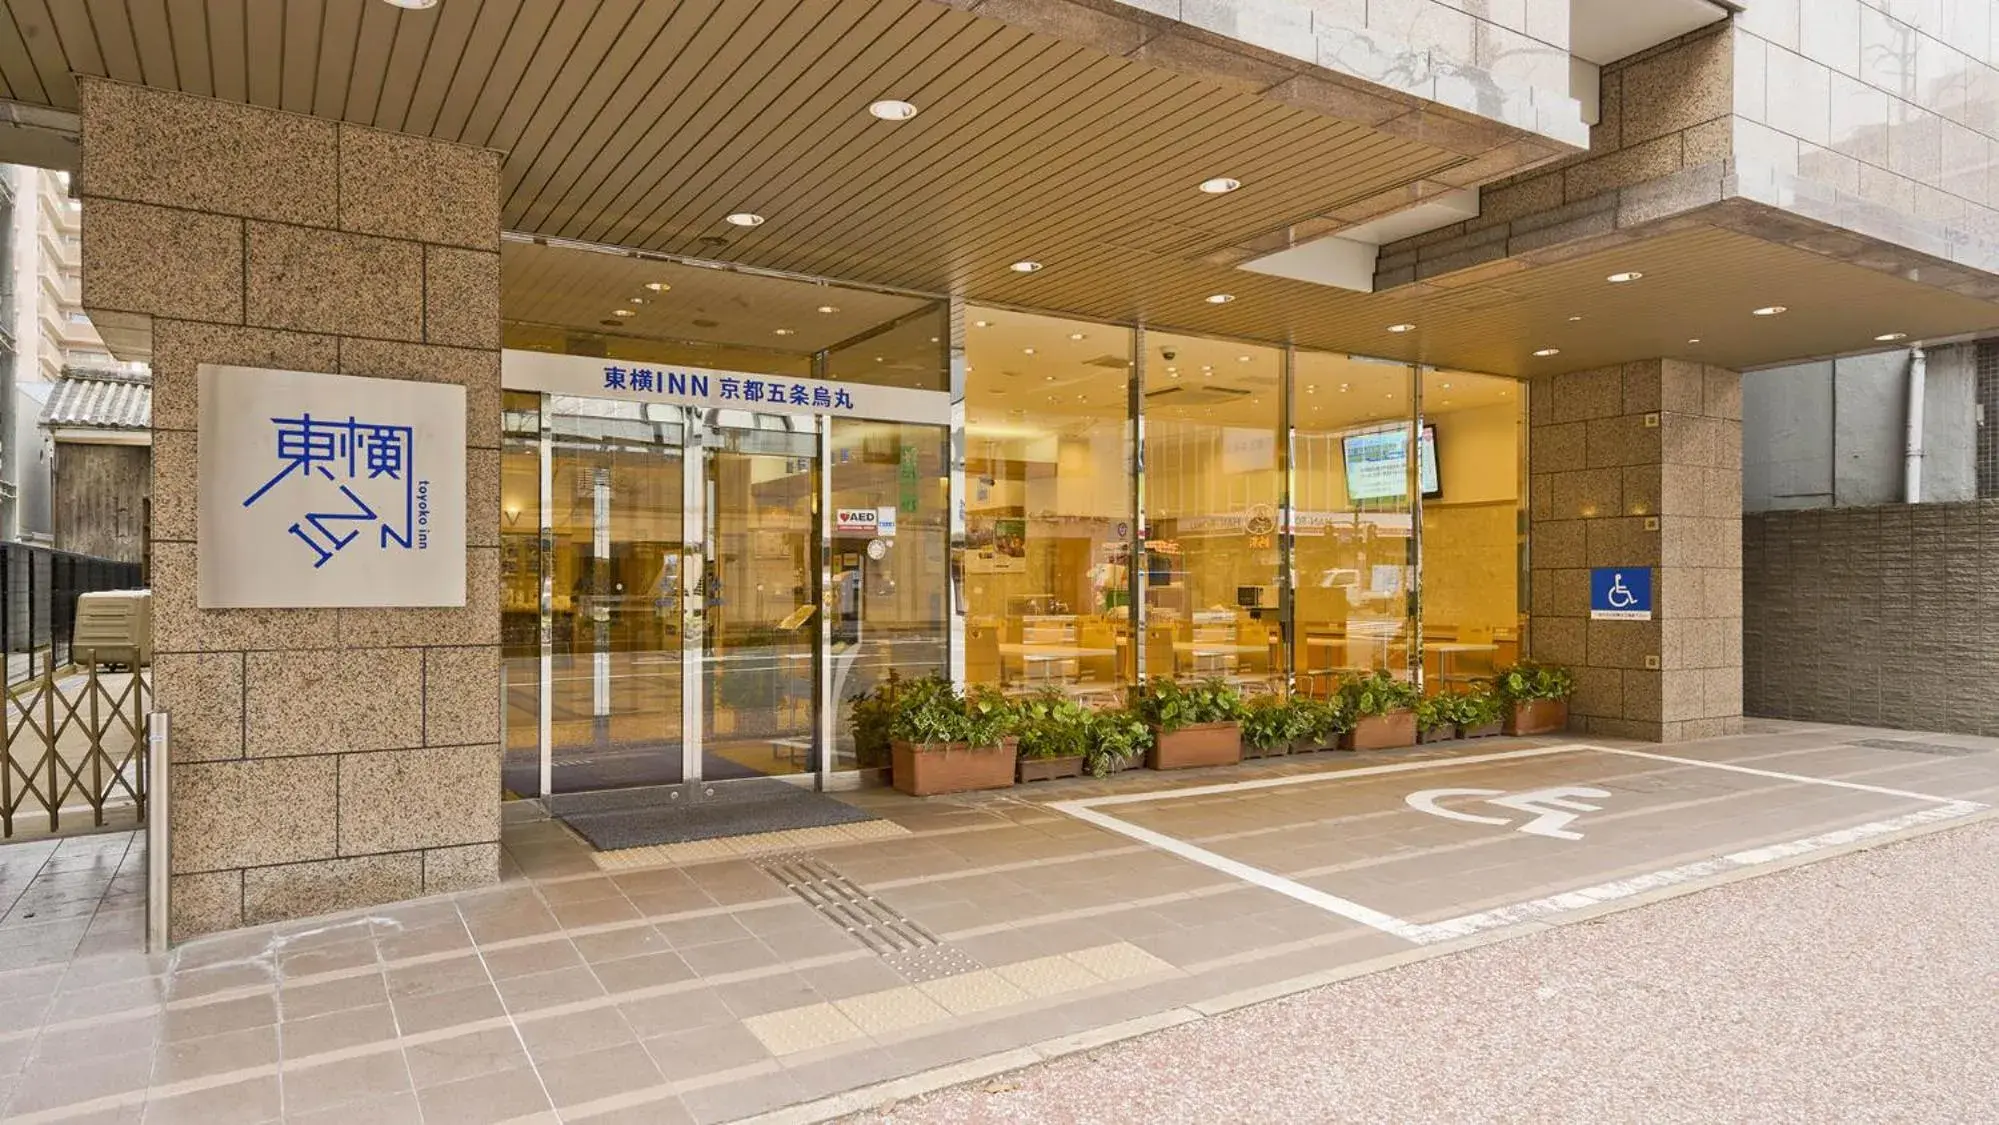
761 596
616 541
520 594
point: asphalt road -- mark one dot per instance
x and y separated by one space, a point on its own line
1863 988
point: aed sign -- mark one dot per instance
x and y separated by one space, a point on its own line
864 521
1620 593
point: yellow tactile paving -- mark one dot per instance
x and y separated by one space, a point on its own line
891 1010
1118 961
802 1029
740 847
1048 976
968 993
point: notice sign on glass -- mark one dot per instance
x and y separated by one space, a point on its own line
329 490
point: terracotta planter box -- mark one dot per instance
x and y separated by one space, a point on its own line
1539 716
1382 732
1276 751
1312 747
1048 769
1204 744
1444 733
1486 731
951 767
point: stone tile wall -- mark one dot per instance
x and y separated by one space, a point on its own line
1875 616
323 759
1641 465
1877 116
1660 148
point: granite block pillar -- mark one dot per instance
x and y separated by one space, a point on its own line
324 759
1641 466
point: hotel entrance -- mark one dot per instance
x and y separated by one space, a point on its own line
692 593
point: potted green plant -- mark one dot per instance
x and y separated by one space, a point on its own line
1192 726
1052 735
1119 741
1383 710
1536 697
945 741
1321 723
872 717
1270 726
753 692
1481 713
1437 718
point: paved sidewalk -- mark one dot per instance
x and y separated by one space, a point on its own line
958 937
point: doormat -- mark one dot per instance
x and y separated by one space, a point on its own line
620 821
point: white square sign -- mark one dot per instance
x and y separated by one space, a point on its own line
329 490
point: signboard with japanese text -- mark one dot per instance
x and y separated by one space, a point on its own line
320 491
678 385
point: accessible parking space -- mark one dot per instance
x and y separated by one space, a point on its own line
1438 849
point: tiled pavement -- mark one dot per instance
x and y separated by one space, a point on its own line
1037 921
68 897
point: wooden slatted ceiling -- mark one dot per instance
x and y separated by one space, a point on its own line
643 122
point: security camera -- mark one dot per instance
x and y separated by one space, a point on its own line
1169 353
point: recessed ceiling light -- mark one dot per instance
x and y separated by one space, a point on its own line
1173 371
1028 351
1546 352
892 109
834 309
746 219
658 286
1076 336
982 324
1048 378
1242 359
1311 390
933 339
1621 278
1025 266
623 312
638 300
1220 185
1173 374
1770 310
881 359
1695 340
1399 329
784 331
1220 298
1574 319
413 5
1345 387
1891 337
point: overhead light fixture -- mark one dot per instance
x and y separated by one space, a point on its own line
1770 310
1172 374
1220 185
1173 371
1574 319
1027 351
413 5
1242 359
1025 266
623 312
1622 278
836 308
1220 298
658 286
784 331
1546 352
1447 386
1891 337
1076 336
1345 387
1311 390
982 324
745 219
1399 329
638 300
1048 378
892 109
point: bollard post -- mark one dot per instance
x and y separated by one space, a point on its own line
159 862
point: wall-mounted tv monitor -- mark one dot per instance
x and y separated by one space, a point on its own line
1378 464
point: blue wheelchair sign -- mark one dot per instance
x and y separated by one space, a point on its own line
1620 593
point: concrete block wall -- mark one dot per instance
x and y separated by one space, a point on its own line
323 759
1877 616
1640 465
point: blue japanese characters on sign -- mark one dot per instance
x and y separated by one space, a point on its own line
667 382
329 490
1620 593
329 458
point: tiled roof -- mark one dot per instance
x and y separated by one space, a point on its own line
105 400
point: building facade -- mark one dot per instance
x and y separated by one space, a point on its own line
1047 344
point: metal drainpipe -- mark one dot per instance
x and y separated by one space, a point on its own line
1912 441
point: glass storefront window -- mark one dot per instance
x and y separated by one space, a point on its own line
1474 535
520 591
1354 553
1213 494
1049 524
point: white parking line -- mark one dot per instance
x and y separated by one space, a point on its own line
1427 933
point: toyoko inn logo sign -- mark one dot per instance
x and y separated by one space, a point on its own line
329 490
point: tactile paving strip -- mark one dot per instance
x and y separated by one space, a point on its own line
865 918
919 966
